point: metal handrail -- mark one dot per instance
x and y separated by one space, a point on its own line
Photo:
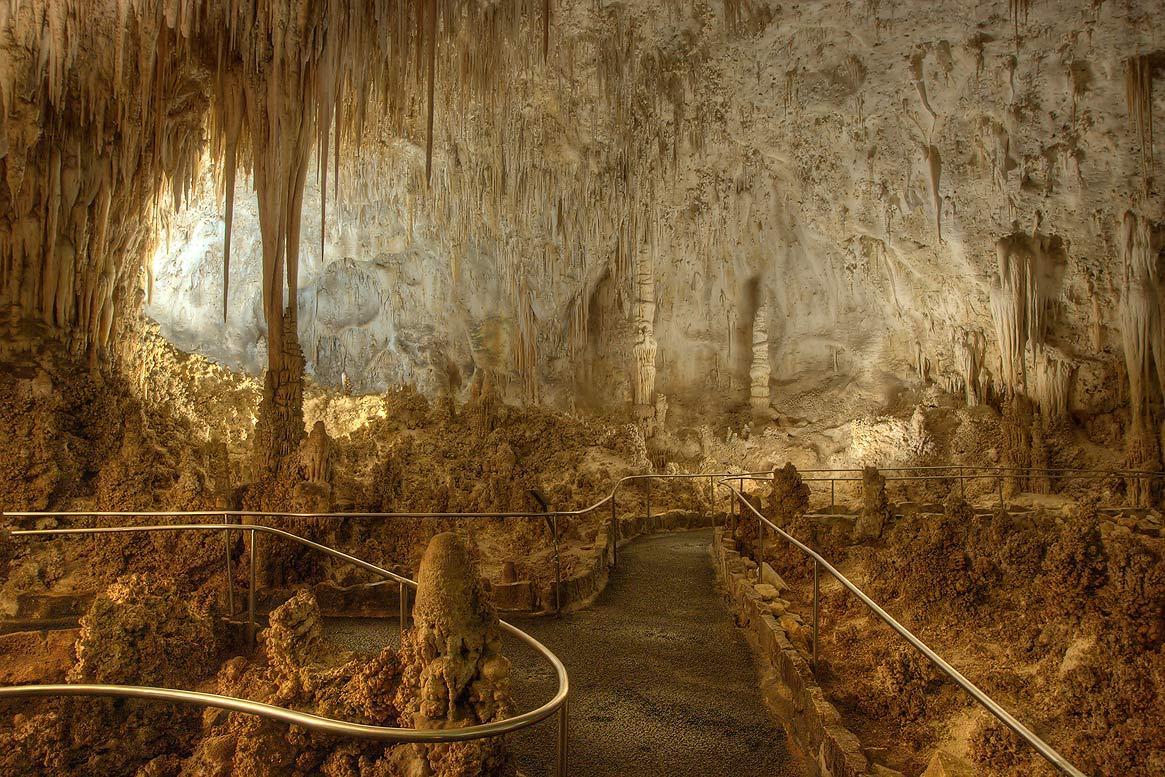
734 495
321 724
1060 473
1044 749
552 515
959 474
991 468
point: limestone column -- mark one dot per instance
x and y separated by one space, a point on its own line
643 352
279 429
759 371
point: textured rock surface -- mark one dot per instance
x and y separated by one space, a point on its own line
454 673
926 191
140 631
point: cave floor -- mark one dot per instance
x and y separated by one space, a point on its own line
662 682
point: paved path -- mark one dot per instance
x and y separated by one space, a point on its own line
662 683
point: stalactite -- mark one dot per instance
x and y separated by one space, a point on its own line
1018 9
1139 95
432 83
934 166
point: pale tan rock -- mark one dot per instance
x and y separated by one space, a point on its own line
943 764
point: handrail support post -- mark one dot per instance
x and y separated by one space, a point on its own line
614 532
557 567
404 610
560 767
816 609
230 569
251 596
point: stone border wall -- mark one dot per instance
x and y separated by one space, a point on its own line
581 588
381 599
812 723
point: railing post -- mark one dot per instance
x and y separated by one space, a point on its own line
962 486
732 509
760 560
557 568
404 610
816 598
230 571
614 532
1001 504
832 494
712 498
649 499
563 731
251 597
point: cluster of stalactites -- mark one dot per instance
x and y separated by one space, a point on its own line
104 109
1022 293
1050 384
83 165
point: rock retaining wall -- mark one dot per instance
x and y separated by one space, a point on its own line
812 723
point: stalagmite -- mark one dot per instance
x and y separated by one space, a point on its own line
971 348
876 509
453 670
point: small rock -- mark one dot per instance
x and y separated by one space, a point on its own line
766 592
943 764
791 623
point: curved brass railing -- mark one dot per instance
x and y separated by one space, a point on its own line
309 721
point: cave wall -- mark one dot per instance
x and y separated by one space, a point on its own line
962 194
854 165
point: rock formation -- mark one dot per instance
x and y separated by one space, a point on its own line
454 673
140 631
759 370
300 669
644 348
789 496
876 510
